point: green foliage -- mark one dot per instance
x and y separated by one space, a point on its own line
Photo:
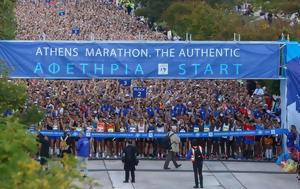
13 97
7 19
226 3
205 22
153 9
201 20
12 94
18 146
287 6
178 17
273 86
19 170
33 114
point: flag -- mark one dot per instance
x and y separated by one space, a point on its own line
125 82
61 13
298 103
76 31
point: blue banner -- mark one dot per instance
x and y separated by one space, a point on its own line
292 85
139 92
293 75
130 60
52 133
162 135
125 83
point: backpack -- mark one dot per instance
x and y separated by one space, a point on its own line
167 142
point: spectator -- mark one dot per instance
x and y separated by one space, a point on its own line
292 138
259 91
83 151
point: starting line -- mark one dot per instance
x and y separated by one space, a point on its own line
265 132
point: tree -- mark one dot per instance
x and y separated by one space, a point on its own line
287 6
206 22
153 9
273 86
201 20
7 19
17 146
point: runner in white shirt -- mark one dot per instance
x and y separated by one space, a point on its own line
224 139
120 142
141 126
259 91
160 128
131 127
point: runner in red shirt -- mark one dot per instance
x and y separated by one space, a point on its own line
249 140
244 110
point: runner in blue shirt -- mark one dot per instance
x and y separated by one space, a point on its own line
179 109
107 108
258 140
150 111
150 143
125 110
202 113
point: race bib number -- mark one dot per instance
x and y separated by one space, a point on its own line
110 130
150 135
88 134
